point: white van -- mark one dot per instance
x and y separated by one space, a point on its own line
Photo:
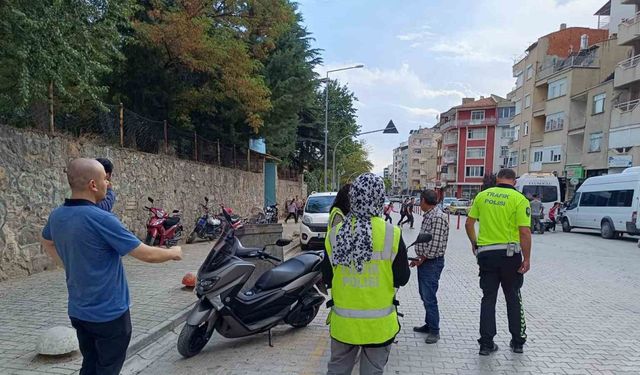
544 185
315 220
606 203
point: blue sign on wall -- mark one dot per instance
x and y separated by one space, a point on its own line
258 145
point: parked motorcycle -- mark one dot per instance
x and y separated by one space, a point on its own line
207 227
286 293
162 229
271 214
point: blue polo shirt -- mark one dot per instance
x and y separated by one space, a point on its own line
91 242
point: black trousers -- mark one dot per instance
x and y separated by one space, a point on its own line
498 269
294 214
103 345
388 217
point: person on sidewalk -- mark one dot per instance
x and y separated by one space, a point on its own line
340 207
403 211
365 260
409 213
503 251
109 199
292 208
90 243
431 262
388 209
553 213
537 214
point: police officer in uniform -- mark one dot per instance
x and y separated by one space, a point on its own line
365 261
503 250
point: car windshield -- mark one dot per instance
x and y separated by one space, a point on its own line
319 205
547 194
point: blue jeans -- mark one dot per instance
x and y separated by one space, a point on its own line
428 279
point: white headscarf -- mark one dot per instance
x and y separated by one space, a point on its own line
354 245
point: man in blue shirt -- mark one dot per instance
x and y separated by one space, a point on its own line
90 243
109 199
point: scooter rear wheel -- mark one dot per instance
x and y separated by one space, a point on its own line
192 339
304 317
192 237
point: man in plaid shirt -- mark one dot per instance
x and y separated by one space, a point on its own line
431 262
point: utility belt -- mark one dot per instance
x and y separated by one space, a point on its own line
509 248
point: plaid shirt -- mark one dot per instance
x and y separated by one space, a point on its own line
436 223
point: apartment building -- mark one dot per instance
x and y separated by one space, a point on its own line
422 158
400 168
624 133
469 144
387 172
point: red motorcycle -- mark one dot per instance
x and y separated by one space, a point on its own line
162 229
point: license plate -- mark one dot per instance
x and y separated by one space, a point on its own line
321 235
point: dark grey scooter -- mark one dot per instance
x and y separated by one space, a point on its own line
287 293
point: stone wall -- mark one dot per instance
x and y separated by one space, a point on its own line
33 182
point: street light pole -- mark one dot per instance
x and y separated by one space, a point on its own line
390 129
326 117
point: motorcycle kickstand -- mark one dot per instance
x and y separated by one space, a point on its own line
270 341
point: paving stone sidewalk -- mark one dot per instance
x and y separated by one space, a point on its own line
582 303
35 303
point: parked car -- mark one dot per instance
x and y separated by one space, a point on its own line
446 202
608 203
460 206
315 220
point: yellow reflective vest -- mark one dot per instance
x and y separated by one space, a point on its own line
363 310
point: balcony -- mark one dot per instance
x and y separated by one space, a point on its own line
489 121
450 138
539 108
577 61
625 114
449 177
627 72
448 125
449 158
629 30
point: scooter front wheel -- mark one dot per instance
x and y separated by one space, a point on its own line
192 237
192 339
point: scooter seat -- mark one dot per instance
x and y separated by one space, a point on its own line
288 271
171 221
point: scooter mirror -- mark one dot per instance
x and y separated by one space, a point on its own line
422 238
283 242
150 199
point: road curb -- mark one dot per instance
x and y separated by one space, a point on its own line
144 340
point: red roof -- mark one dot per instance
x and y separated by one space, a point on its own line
481 103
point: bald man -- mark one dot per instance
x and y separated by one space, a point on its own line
90 243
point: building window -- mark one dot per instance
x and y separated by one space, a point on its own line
479 133
504 151
506 112
527 101
474 171
475 152
519 79
595 141
417 151
525 128
516 132
557 88
598 103
524 156
513 159
554 122
529 72
518 107
537 157
477 117
555 155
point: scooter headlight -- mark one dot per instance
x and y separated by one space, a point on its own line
206 284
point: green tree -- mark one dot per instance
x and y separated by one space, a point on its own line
69 44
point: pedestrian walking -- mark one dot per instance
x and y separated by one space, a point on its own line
340 207
537 214
409 213
403 210
365 261
292 209
109 199
90 243
388 209
553 214
431 262
503 250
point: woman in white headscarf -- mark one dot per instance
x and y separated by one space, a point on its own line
349 252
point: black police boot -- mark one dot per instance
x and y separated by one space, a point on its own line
486 350
515 347
421 329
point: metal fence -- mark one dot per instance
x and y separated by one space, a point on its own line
118 126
